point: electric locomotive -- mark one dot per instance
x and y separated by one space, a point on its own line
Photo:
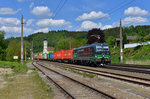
94 54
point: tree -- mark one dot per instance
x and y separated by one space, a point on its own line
95 35
3 46
110 41
124 39
13 50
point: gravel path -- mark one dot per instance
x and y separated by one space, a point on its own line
56 92
147 76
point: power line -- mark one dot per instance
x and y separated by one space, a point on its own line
16 6
60 8
121 7
112 10
117 6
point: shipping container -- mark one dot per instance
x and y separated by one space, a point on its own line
44 56
58 55
48 56
68 54
51 55
40 56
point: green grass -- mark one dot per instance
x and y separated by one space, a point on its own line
17 67
23 85
42 83
26 86
80 72
28 61
139 53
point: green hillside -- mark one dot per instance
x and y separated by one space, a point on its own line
72 39
78 38
132 55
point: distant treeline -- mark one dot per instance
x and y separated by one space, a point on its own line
71 39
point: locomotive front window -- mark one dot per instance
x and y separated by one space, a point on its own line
105 48
98 48
102 48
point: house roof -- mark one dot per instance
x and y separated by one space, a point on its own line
50 48
147 35
117 39
131 37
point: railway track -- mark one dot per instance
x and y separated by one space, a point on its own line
56 84
76 86
130 68
122 77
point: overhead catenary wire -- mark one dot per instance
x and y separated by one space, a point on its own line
59 8
110 12
16 6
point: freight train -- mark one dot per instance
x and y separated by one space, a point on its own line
95 54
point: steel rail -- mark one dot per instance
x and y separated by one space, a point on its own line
97 72
131 65
67 93
98 91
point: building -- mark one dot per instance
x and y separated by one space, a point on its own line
131 38
117 42
50 49
45 46
46 49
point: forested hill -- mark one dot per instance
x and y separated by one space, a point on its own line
58 39
71 39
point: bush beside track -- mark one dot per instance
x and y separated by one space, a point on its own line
17 67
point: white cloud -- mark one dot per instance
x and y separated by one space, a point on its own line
135 11
92 15
134 20
69 27
44 30
29 22
15 30
107 27
7 11
20 0
42 11
87 25
52 23
9 21
31 5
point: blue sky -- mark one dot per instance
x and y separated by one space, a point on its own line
73 15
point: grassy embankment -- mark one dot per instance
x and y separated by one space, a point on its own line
22 84
137 55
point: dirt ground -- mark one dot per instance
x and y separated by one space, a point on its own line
22 86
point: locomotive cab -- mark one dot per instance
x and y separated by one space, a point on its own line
102 54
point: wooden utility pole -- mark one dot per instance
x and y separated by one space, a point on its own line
121 39
22 39
32 51
25 53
